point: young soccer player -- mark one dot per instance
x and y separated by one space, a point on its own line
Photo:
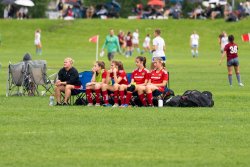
194 44
157 80
98 79
231 50
38 42
146 44
129 46
139 79
118 75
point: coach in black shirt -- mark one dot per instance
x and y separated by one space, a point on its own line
68 79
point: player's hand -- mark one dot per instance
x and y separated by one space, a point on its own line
115 70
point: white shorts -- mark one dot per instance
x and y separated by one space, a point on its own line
135 41
146 45
37 42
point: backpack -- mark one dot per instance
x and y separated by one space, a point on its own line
191 98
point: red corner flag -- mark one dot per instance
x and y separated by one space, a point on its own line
246 37
94 39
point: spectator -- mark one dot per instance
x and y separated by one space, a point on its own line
90 12
217 11
102 13
227 10
69 14
22 13
28 83
231 50
68 79
60 6
197 12
112 45
97 81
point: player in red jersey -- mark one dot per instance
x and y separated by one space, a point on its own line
118 75
98 79
231 50
157 80
129 44
139 78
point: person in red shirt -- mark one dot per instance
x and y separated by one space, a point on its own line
98 79
118 75
139 78
157 80
231 50
129 44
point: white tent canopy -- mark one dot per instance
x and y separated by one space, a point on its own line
28 3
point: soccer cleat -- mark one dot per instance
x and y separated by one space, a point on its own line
65 104
115 105
124 106
58 104
97 105
107 105
90 105
241 84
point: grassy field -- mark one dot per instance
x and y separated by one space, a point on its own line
35 134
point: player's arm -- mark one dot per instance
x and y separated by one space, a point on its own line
164 83
222 57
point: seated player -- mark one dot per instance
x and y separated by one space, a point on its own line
118 75
157 80
98 78
139 79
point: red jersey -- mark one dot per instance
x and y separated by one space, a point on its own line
232 51
121 39
128 40
140 76
158 77
123 75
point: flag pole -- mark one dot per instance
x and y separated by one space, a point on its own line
97 43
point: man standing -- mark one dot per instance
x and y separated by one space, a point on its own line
194 43
158 46
112 44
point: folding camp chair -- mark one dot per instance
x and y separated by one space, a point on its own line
15 79
37 72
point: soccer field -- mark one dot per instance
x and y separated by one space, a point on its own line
34 134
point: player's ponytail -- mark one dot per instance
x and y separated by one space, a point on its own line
142 59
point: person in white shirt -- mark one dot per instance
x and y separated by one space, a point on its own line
38 42
135 40
146 44
158 46
194 43
223 40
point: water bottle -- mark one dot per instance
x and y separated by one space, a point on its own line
160 103
51 100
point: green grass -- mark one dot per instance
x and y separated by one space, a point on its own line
35 134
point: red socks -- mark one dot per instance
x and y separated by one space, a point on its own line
89 96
